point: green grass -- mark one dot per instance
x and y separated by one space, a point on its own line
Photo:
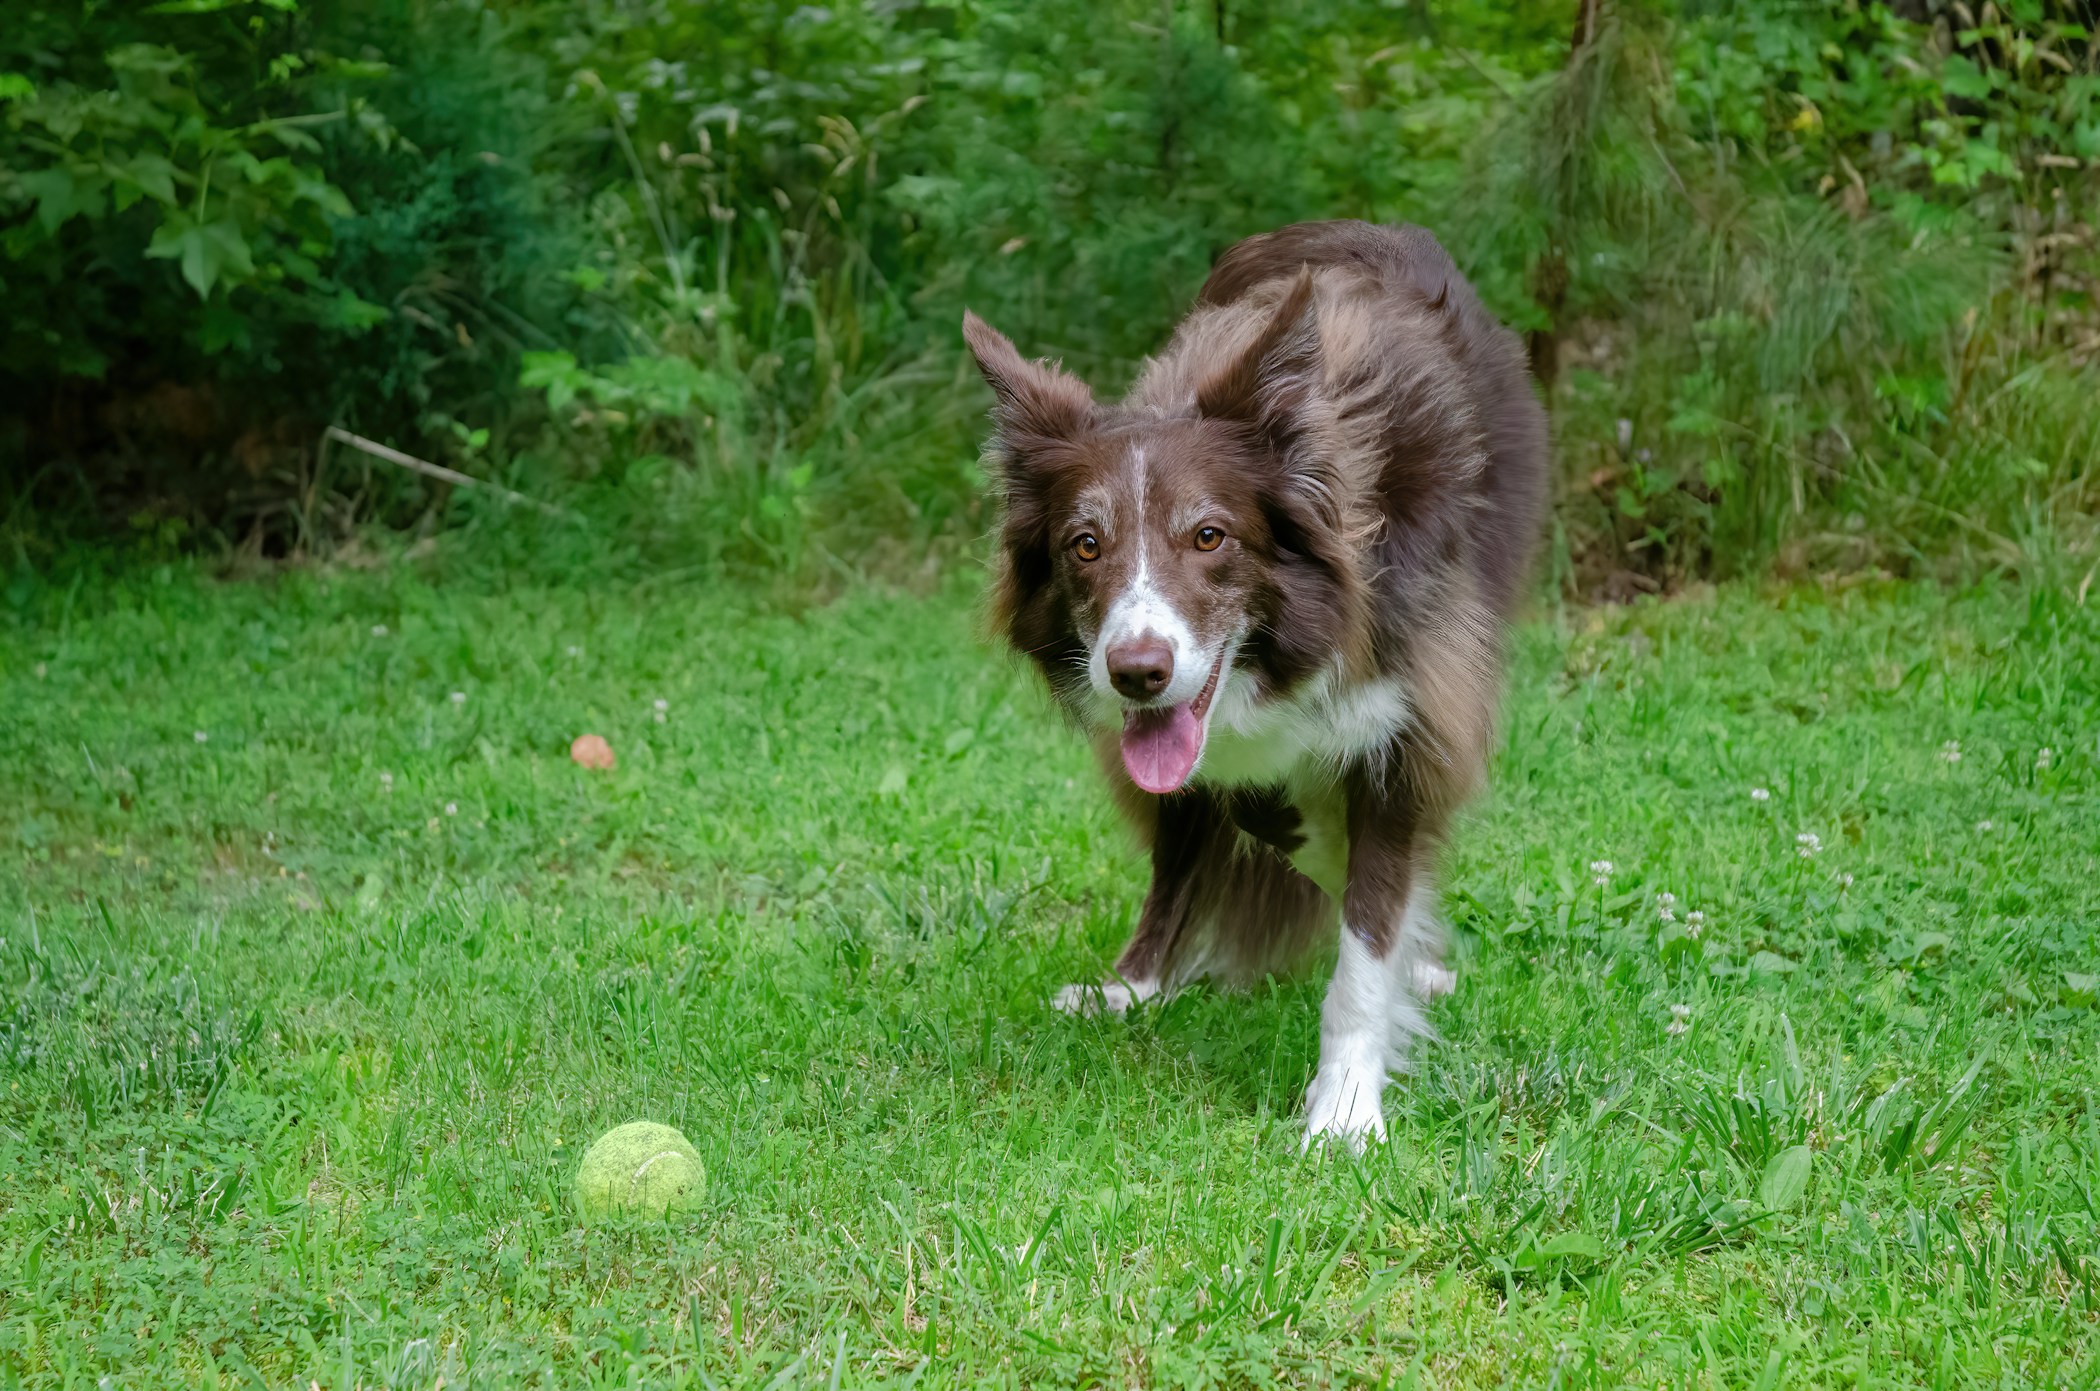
298 1063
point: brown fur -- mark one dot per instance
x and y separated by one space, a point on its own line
1342 407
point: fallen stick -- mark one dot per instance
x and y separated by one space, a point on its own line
430 470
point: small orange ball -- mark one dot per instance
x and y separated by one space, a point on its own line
591 751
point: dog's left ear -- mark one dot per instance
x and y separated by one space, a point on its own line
1268 384
1036 403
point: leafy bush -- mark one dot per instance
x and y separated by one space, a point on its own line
1751 234
125 152
227 224
1810 283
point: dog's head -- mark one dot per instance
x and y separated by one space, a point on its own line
1155 557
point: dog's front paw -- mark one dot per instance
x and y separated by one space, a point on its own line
1431 979
1343 1104
1109 997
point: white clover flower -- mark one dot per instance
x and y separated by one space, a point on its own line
451 808
1694 921
663 708
1680 1020
1951 751
459 697
1983 825
2043 756
574 651
386 782
379 630
1666 899
1760 794
1844 881
200 736
1600 871
1810 844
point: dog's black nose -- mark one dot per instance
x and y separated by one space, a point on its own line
1141 667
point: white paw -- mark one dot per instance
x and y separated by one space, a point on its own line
1430 980
1343 1104
1108 997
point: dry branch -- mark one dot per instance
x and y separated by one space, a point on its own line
430 470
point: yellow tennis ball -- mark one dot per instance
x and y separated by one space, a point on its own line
640 1168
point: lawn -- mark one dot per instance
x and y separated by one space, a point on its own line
1772 1059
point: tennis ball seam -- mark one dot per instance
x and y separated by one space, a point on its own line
644 1167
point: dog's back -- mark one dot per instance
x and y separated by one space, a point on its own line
1409 264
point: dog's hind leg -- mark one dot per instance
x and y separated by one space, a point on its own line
1422 942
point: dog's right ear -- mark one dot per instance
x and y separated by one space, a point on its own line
1037 403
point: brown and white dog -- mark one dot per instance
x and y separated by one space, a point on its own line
1272 585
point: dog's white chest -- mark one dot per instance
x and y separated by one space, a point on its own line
1308 738
1302 746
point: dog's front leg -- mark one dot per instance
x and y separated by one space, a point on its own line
1190 835
1371 1006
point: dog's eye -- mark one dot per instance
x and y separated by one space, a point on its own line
1087 547
1209 538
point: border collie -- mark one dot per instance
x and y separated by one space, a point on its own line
1272 585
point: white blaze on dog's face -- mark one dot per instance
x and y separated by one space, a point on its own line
1149 555
1157 567
1152 542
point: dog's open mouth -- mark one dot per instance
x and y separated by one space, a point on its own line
1161 744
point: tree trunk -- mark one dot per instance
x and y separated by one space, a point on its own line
1549 274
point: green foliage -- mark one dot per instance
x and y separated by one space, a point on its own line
121 151
699 263
1730 276
291 215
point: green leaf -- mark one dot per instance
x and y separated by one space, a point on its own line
62 194
1962 78
1786 1178
209 251
1770 963
1695 420
15 87
365 68
554 373
292 137
222 328
1673 944
345 310
1572 1244
149 174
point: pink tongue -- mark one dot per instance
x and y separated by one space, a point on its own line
1160 747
